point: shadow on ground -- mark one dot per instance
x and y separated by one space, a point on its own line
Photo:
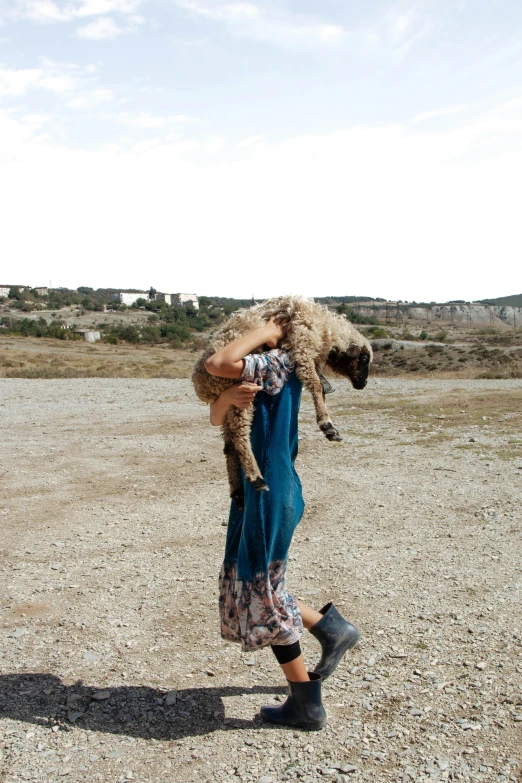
135 711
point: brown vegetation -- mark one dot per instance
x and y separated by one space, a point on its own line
468 353
31 357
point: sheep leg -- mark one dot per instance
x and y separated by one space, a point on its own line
238 426
308 375
235 482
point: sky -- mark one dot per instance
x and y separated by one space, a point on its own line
350 147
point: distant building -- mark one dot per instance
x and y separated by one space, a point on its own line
4 289
163 298
185 299
89 335
129 298
43 291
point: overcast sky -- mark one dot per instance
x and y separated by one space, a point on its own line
365 147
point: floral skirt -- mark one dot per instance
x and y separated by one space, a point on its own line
258 613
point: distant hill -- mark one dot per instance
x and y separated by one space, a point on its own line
509 301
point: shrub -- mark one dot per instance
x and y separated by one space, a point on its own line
129 333
353 315
441 335
175 332
110 338
377 332
424 335
150 334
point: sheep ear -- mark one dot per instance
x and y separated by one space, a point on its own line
353 351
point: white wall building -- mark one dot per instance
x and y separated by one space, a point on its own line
185 299
4 289
89 335
128 298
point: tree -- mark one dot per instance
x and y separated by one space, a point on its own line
152 293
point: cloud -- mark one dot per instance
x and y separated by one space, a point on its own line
90 99
50 76
42 11
99 7
48 11
102 29
263 23
429 115
72 85
409 213
147 121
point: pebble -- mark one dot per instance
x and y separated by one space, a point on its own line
18 633
89 655
101 695
171 698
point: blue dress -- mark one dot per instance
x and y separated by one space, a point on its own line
255 608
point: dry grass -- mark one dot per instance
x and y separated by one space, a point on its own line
43 358
29 357
433 420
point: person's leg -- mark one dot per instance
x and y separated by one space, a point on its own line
309 615
291 661
295 671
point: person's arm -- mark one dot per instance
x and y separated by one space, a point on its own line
228 361
240 394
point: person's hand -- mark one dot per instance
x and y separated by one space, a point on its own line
241 394
275 330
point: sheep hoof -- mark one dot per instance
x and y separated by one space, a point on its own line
329 431
239 499
260 485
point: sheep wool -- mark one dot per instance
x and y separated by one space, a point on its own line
315 338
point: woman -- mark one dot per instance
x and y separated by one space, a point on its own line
256 610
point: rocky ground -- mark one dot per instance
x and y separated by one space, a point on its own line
113 495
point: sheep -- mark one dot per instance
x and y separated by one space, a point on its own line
314 337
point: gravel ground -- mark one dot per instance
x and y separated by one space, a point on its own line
113 495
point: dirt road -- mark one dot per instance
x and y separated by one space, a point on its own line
112 495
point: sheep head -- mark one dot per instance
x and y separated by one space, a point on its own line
352 363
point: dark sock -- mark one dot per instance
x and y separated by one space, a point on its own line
286 653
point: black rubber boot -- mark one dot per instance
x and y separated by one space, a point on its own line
336 635
303 709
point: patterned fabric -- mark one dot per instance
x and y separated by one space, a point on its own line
259 612
255 608
270 370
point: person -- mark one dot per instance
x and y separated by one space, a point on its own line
256 610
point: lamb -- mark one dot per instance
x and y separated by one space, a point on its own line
314 337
